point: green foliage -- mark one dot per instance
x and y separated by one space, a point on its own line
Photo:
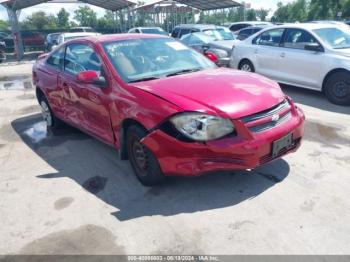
63 19
3 25
86 16
308 10
40 21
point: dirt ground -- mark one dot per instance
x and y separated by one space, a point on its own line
69 194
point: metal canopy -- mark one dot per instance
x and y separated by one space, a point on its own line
210 4
159 6
112 5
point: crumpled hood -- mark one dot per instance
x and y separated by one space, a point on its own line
226 92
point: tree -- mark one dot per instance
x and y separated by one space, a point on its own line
39 21
86 16
262 14
63 19
251 15
3 25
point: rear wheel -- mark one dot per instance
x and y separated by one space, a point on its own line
143 162
337 88
247 66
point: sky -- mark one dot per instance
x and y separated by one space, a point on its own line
54 8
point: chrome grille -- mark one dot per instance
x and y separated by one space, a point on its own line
272 124
282 110
266 113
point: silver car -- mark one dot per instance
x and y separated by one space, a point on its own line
313 56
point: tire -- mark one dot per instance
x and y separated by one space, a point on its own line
246 66
143 162
337 88
52 122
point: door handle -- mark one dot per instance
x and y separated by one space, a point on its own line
256 51
283 54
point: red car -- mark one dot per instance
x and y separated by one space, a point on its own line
166 107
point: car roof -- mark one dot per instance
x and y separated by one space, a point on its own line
149 27
257 27
251 22
307 26
198 26
78 34
121 37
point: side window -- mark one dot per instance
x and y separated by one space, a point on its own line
79 58
270 38
194 30
175 32
56 59
297 39
184 31
195 41
235 28
137 31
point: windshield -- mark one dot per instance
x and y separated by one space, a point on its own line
153 31
145 59
336 38
219 34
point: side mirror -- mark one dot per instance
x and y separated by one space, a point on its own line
315 47
91 77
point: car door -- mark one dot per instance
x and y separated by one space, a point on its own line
50 81
267 49
297 65
88 103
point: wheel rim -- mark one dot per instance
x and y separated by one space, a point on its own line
46 113
139 156
341 89
246 67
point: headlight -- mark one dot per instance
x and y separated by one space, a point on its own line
202 127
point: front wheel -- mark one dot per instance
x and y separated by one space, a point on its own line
51 121
246 66
337 88
143 162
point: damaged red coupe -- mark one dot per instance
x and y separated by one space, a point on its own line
166 107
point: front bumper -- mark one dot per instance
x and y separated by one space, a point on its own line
246 150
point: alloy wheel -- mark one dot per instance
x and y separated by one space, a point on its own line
46 113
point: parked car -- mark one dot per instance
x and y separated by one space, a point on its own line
64 37
2 52
85 29
31 39
51 40
313 56
147 30
235 27
217 31
166 107
248 31
217 50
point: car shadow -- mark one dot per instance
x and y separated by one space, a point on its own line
313 98
96 168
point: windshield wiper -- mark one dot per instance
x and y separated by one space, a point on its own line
149 78
184 71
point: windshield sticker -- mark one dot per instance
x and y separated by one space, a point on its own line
177 46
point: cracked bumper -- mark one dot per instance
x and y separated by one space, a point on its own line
244 151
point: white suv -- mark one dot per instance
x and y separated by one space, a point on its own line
313 56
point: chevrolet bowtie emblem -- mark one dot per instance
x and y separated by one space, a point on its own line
275 118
